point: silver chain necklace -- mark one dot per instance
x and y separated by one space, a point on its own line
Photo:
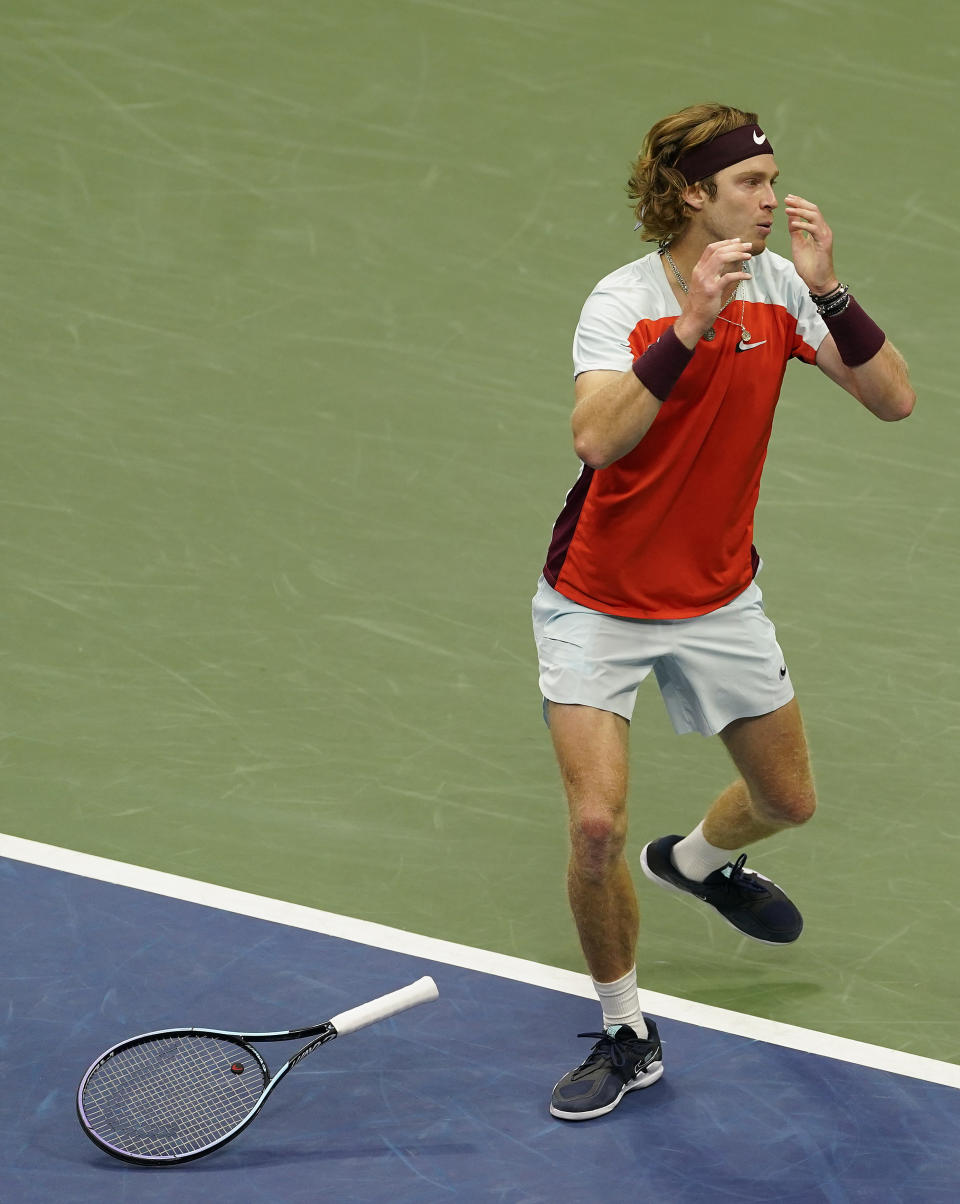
711 334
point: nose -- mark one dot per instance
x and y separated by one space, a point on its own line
770 200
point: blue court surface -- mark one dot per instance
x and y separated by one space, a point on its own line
445 1102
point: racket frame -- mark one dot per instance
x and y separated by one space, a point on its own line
421 991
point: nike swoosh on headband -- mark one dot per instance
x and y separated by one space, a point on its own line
704 160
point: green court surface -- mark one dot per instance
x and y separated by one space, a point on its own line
289 297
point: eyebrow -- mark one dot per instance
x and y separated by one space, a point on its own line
756 171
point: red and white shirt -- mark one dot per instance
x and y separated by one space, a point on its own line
666 532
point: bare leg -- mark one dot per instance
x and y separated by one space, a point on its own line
592 751
776 790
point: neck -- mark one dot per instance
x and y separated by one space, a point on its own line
686 250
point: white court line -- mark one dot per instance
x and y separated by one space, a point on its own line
553 978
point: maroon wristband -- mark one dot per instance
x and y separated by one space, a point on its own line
661 365
857 336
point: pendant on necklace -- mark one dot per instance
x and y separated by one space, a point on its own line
744 335
710 335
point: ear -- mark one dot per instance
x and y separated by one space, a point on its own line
694 197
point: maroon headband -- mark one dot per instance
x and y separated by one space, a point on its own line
723 151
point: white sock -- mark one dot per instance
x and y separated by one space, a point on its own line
696 858
621 1003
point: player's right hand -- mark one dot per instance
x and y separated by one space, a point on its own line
717 270
712 281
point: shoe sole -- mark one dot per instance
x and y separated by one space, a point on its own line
647 1079
678 890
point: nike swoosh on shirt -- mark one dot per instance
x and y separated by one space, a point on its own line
742 346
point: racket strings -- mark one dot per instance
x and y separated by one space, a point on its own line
170 1096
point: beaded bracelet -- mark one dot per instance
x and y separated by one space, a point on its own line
819 298
830 309
834 302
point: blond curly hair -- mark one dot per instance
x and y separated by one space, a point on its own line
655 186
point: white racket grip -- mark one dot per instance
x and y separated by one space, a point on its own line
424 990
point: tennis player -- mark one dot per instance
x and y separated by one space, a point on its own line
678 360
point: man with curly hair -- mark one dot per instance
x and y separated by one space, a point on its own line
678 360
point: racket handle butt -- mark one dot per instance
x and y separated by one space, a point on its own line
424 990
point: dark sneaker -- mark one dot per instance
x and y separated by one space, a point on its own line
748 901
619 1062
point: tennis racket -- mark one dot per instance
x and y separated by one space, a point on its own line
166 1097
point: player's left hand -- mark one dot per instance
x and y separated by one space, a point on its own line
811 240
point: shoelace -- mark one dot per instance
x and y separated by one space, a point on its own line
738 876
614 1051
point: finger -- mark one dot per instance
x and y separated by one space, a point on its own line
721 271
729 251
809 220
804 216
808 228
728 244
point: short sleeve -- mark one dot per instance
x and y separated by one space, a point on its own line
601 341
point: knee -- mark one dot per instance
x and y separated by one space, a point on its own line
788 807
597 840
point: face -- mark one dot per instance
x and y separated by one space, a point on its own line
744 204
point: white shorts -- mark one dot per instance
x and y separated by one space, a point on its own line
711 669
